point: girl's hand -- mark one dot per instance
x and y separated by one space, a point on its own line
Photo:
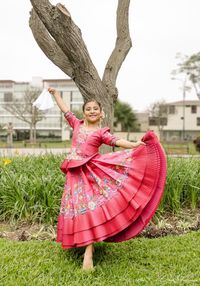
51 90
138 143
63 107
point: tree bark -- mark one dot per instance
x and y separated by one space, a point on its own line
61 41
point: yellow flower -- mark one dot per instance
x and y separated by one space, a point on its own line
6 161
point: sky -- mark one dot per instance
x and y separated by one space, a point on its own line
159 30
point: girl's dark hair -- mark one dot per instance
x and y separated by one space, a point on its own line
91 100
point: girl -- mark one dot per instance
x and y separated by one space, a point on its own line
107 197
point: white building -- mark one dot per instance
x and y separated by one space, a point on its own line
53 124
180 121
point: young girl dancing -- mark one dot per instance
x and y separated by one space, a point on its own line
107 197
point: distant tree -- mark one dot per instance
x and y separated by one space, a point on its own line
78 113
197 143
24 110
158 114
190 67
1 129
124 114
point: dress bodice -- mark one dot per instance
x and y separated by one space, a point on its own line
86 143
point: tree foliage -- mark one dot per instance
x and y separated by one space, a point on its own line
158 115
124 115
158 108
190 66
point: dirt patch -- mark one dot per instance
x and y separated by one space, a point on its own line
24 231
168 224
159 226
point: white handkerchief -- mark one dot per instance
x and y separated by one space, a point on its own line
44 101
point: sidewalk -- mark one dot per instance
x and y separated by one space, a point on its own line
11 152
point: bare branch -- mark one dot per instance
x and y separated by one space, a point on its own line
24 110
122 46
67 35
18 110
48 45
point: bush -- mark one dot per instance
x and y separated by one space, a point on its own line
31 187
183 184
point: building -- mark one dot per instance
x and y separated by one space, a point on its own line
53 125
180 121
142 121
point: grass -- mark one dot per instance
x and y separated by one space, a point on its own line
170 148
39 144
31 187
180 148
182 187
172 260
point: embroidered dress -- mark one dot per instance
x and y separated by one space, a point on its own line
108 197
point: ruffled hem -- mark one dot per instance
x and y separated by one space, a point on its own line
126 214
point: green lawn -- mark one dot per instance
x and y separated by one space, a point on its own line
170 148
172 260
39 144
180 148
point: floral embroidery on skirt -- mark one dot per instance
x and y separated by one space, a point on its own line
91 185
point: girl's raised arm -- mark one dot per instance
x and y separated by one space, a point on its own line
63 107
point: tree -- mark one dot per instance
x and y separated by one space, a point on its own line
158 114
25 111
61 40
190 67
78 113
124 114
1 129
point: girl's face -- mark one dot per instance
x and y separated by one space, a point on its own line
92 112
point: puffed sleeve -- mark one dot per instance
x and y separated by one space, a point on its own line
108 138
71 119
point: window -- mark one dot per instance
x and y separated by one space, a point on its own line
163 121
153 121
6 85
8 96
163 109
1 97
198 121
193 109
76 96
76 107
157 121
171 109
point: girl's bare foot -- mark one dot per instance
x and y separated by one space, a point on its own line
88 262
88 258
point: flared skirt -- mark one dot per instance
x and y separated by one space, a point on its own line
113 196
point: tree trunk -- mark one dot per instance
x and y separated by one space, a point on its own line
31 134
34 134
61 41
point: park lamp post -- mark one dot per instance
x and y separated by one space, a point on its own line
183 112
184 93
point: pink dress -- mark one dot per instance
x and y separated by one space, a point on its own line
109 197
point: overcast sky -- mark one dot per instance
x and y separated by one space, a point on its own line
159 30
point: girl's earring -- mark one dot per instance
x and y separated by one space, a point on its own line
100 121
101 118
